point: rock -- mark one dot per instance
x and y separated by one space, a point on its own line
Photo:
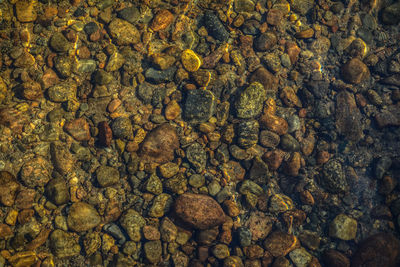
300 257
388 117
269 139
63 65
105 134
57 191
5 231
59 43
348 116
64 244
107 176
190 60
220 251
391 14
289 143
160 76
151 233
153 251
161 205
153 185
24 258
130 14
62 92
199 211
13 119
274 17
302 6
248 133
244 234
160 144
381 249
215 27
265 41
8 188
199 105
78 129
177 184
91 243
63 160
132 222
197 156
333 178
161 20
122 128
36 172
280 203
26 10
180 259
115 62
233 261
343 227
334 258
304 34
355 71
279 244
102 77
293 51
250 101
163 61
124 32
31 90
168 230
82 217
25 199
266 78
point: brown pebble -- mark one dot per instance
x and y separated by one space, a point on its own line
323 157
279 244
13 118
8 188
274 17
172 110
308 33
105 134
113 105
161 20
25 216
293 51
334 258
355 71
307 198
151 232
266 78
49 78
31 90
231 208
25 199
5 231
78 129
273 159
83 52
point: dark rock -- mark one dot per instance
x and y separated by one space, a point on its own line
333 178
64 244
197 156
160 76
122 128
199 105
130 14
348 116
107 176
266 78
265 41
355 71
57 191
289 143
215 27
8 188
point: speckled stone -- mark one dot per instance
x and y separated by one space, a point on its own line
343 227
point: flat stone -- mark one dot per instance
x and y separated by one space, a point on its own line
153 251
266 78
62 92
250 102
78 129
82 217
132 222
215 26
8 188
199 105
107 176
64 244
199 211
348 116
59 43
279 244
343 227
124 32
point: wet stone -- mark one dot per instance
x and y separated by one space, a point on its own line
248 133
115 62
333 178
91 243
265 41
348 116
59 43
289 143
124 32
130 14
250 101
300 257
355 71
26 10
343 227
160 76
391 14
63 65
161 205
266 78
244 236
107 176
233 261
132 222
82 217
382 166
78 129
190 60
161 20
197 156
105 134
102 77
215 26
64 244
30 90
36 172
153 251
62 92
334 258
280 203
122 128
63 161
57 191
220 251
199 211
8 188
280 244
199 105
115 231
153 185
168 230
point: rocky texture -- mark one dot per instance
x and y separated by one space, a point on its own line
82 217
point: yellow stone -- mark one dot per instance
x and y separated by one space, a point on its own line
22 259
11 218
190 60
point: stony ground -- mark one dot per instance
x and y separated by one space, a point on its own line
200 133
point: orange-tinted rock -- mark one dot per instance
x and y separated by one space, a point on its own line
274 17
381 249
355 71
78 128
231 208
161 20
274 123
293 51
307 198
259 224
294 218
8 188
323 157
31 90
199 211
233 171
293 164
5 231
279 244
266 78
273 159
172 110
160 144
49 78
13 118
25 216
25 199
105 134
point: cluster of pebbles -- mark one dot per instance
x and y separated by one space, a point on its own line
200 133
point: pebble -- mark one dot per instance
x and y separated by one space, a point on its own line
36 172
245 237
163 61
91 243
115 231
266 78
24 258
130 14
334 258
63 161
333 178
355 71
259 224
123 32
343 227
82 217
289 143
265 41
269 139
304 34
220 251
59 43
63 65
57 191
115 62
26 10
8 188
161 205
390 14
168 230
280 203
199 211
78 129
31 90
215 27
153 185
233 261
279 244
105 134
381 249
107 176
274 17
122 128
190 60
180 259
63 244
207 237
196 180
172 110
132 222
248 133
348 116
160 76
161 20
62 92
250 101
102 77
153 251
199 105
160 144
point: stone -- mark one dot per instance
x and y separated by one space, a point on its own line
91 243
107 176
215 27
31 90
280 203
62 159
64 244
391 14
78 129
172 110
82 217
132 222
279 244
333 178
62 92
168 230
26 10
302 6
160 76
63 65
5 231
36 172
348 116
102 77
334 258
343 227
153 185
161 20
355 71
169 169
8 188
57 191
245 237
199 105
266 78
265 41
221 251
160 144
199 211
180 259
124 32
381 249
115 62
23 258
122 128
250 101
151 233
190 60
161 205
105 134
59 43
197 156
233 261
300 257
269 139
153 251
248 133
289 143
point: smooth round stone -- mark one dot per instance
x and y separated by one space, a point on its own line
269 139
107 176
289 143
62 92
215 26
64 244
115 62
265 41
190 60
82 217
26 10
355 71
196 180
221 251
213 188
122 128
59 43
250 102
333 177
160 76
84 65
124 32
249 186
57 191
300 257
91 28
280 203
343 227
